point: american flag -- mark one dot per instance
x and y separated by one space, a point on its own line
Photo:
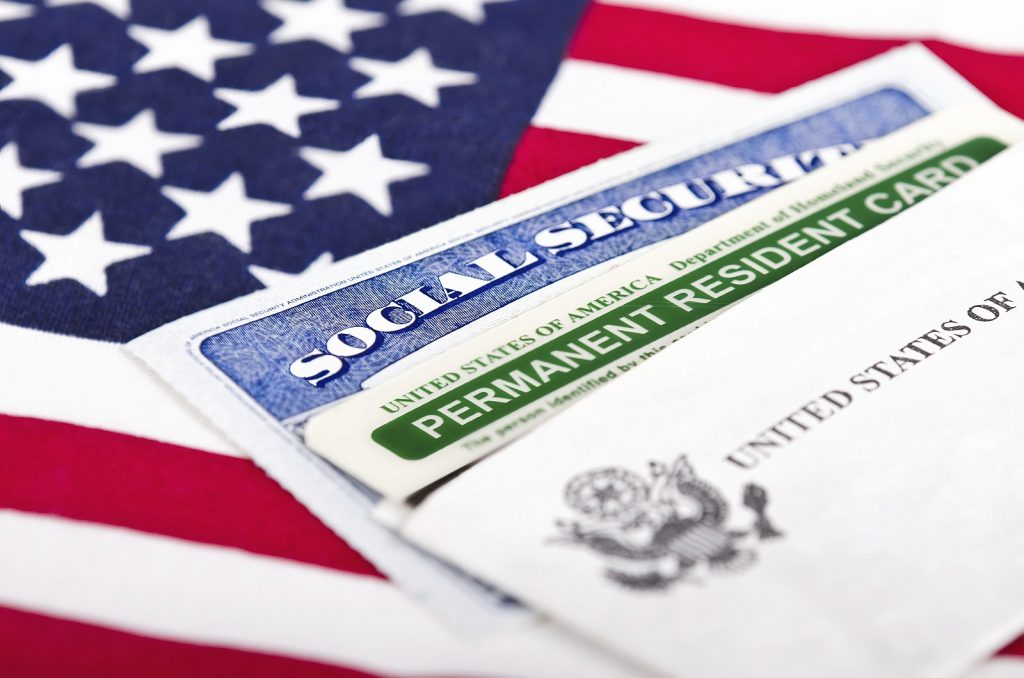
160 156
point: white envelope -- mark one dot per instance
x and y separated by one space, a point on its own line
668 517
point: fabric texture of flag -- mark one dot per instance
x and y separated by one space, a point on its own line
160 156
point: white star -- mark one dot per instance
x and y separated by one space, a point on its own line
415 77
83 255
278 105
226 211
9 11
470 10
326 21
190 47
119 8
52 80
15 179
137 142
362 171
272 278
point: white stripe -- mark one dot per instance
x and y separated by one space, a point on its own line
189 592
993 25
625 103
95 384
998 667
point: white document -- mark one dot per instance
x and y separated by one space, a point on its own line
251 366
826 481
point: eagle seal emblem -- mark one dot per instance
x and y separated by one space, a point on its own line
659 530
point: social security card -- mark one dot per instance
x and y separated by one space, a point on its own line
323 350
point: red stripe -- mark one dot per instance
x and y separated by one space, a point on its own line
36 645
1014 649
760 59
727 54
998 76
98 476
544 154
